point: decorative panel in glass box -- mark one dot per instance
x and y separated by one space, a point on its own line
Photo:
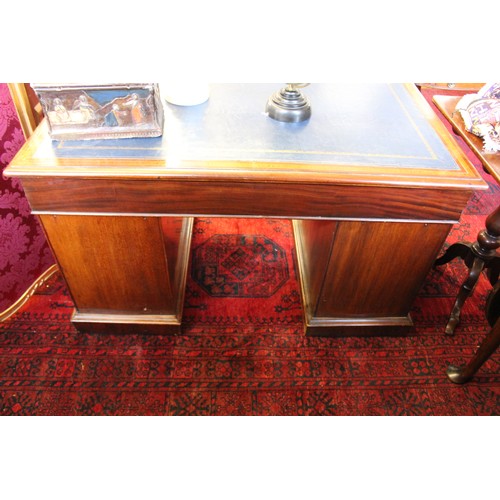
110 111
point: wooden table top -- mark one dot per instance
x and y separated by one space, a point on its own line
490 161
383 134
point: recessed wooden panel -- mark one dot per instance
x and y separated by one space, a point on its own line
313 242
177 233
113 264
377 268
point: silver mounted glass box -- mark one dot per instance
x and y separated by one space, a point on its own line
108 111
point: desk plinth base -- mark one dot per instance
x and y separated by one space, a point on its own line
354 327
161 324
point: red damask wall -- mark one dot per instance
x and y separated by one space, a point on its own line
24 253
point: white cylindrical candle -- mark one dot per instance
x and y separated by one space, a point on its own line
185 94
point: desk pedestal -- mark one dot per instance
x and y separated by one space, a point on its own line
360 277
124 273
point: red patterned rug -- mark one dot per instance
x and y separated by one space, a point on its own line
242 350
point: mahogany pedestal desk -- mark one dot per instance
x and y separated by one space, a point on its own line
373 183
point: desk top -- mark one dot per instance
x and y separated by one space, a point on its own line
447 105
363 134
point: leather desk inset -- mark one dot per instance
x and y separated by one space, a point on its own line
373 183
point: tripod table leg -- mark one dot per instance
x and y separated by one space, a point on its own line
461 249
460 375
465 290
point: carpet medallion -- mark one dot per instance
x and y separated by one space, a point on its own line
235 265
